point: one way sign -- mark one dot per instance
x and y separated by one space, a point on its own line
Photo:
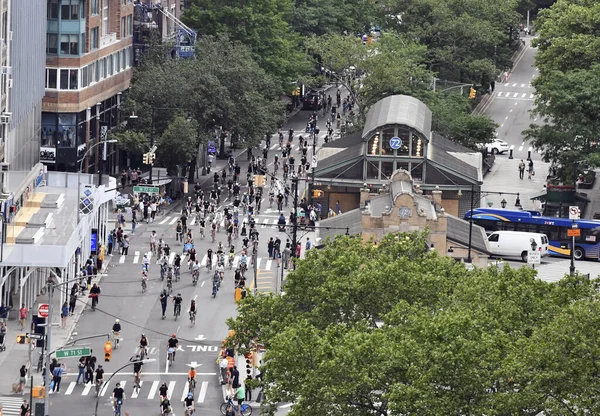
313 163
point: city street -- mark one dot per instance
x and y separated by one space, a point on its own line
510 108
139 312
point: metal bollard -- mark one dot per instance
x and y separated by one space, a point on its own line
529 153
510 151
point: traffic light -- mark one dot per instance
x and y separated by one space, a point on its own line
21 339
317 193
249 364
107 351
472 93
152 156
146 158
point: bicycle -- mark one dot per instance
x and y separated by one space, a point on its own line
170 355
117 405
177 311
214 235
144 285
230 261
215 288
192 385
98 386
193 317
177 273
244 409
136 382
195 277
116 338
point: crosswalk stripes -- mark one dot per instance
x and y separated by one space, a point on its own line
512 94
11 406
147 391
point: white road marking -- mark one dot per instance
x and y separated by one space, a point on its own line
523 95
165 220
136 257
520 148
500 94
514 85
153 389
171 388
70 388
136 392
86 389
202 393
185 390
122 259
173 221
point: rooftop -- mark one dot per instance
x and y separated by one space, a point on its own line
399 109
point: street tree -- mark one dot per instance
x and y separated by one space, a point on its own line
131 141
393 65
177 145
261 25
467 41
394 328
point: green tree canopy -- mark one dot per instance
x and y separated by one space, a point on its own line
177 145
397 329
131 141
222 87
467 41
262 25
319 17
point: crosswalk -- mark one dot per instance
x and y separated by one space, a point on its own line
148 390
516 91
512 94
11 405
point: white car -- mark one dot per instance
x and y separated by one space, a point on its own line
496 146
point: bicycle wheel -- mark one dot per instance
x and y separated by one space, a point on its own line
246 409
223 408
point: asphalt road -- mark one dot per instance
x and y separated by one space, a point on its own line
139 312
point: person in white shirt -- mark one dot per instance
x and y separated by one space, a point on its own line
152 211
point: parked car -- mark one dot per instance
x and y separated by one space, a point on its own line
496 146
517 244
312 101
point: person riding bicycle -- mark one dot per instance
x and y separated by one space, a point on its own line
172 343
163 391
177 261
209 256
244 260
177 300
118 394
220 269
137 366
193 307
100 375
281 222
153 241
220 248
116 326
192 254
146 263
192 376
144 344
188 404
161 245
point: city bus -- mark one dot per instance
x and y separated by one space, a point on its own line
587 245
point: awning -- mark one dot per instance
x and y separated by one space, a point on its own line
543 196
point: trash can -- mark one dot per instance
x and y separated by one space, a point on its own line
39 409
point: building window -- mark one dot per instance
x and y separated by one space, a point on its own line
109 61
52 9
129 25
122 59
386 135
83 43
417 171
69 10
123 2
372 169
51 78
69 44
118 62
105 18
84 77
94 38
373 145
51 43
123 27
94 7
69 79
404 136
417 146
387 168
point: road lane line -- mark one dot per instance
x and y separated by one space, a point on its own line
153 389
171 388
122 259
202 393
86 389
269 263
136 257
70 388
185 390
171 257
520 148
173 221
136 392
165 220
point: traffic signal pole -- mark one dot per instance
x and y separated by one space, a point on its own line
295 225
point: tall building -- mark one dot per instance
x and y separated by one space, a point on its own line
89 59
22 56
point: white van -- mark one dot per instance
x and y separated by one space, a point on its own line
516 243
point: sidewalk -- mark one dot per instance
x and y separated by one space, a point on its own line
16 355
504 177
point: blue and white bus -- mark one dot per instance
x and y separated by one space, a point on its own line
587 245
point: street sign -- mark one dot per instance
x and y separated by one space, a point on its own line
313 163
146 189
534 257
34 336
73 352
574 212
43 310
574 232
395 143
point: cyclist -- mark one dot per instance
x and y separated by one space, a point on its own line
244 262
188 404
165 406
209 255
177 265
137 368
153 241
177 304
144 344
116 329
161 245
193 309
118 394
163 391
99 377
172 343
192 254
146 263
221 271
231 255
220 248
192 377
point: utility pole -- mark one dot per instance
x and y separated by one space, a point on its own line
255 262
295 225
151 147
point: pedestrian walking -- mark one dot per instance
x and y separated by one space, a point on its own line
133 222
111 241
22 378
64 314
270 247
307 247
521 169
530 169
25 408
81 368
22 316
125 245
57 376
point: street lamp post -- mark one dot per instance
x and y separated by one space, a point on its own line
572 265
79 172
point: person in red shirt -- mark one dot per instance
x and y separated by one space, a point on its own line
22 316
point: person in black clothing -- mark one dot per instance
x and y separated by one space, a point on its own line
163 301
25 408
118 393
172 342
